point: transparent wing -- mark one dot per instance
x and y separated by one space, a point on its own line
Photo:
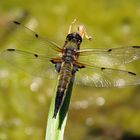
109 57
33 63
26 39
106 77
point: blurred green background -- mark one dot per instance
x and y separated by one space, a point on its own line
94 114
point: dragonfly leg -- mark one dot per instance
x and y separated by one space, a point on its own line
82 32
70 27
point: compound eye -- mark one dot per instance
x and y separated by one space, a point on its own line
69 37
78 38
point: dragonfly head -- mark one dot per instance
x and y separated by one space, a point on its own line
74 38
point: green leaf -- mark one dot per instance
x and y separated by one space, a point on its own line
56 126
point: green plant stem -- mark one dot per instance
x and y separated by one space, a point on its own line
55 127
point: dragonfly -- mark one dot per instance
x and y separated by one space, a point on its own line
90 66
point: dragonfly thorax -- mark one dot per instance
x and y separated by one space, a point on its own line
69 54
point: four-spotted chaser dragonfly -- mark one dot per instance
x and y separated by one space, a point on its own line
90 66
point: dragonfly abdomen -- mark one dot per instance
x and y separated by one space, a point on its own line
64 79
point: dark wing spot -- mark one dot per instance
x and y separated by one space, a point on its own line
131 73
109 50
102 68
36 55
36 35
136 46
10 49
16 22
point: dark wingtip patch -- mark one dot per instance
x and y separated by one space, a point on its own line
136 46
131 73
36 35
16 22
36 55
109 50
102 68
10 49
